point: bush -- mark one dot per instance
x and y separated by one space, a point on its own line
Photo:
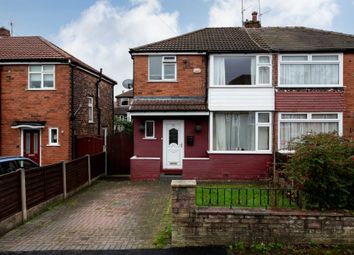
323 169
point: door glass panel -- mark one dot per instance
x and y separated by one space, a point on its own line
173 136
28 143
35 143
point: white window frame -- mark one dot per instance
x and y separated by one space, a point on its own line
339 120
90 106
42 73
256 151
258 65
163 79
50 137
153 129
310 61
124 99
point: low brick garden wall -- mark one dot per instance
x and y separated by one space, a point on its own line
197 226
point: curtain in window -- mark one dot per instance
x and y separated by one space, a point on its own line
234 131
290 131
219 71
253 70
309 74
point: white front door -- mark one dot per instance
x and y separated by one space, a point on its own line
173 144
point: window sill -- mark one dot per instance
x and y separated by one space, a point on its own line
286 152
91 122
40 89
240 86
310 86
239 152
163 81
53 145
149 138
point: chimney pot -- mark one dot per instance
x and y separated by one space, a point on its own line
254 16
4 32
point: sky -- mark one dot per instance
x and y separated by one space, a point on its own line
100 32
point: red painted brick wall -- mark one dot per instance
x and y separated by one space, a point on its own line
188 83
144 169
20 104
348 115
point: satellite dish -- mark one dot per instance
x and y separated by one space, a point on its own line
128 83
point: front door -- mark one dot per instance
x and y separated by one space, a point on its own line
173 143
31 145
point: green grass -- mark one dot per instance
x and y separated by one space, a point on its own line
243 195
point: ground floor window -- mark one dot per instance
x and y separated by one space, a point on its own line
242 131
294 125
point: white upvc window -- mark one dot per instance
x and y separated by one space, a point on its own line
240 70
162 68
53 136
292 126
310 70
241 132
149 129
90 109
41 77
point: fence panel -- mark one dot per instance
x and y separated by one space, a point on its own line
10 194
120 150
43 183
97 164
88 145
76 173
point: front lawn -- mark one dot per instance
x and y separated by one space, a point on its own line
244 195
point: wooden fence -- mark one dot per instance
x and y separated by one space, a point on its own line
120 149
23 190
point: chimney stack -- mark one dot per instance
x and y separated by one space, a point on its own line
4 32
254 23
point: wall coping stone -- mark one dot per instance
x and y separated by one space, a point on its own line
183 183
263 211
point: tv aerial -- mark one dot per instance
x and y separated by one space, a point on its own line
127 83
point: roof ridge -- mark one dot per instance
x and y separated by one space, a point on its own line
168 39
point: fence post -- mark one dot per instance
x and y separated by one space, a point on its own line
105 151
64 179
89 168
23 195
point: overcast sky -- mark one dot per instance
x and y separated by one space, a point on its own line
101 32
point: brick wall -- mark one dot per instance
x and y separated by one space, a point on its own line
20 104
193 226
348 115
85 86
188 83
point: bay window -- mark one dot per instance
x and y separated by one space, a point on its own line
241 70
162 68
242 131
292 126
310 70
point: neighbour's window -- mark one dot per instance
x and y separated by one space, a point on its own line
41 77
242 70
53 136
310 70
124 101
149 129
162 68
294 125
90 109
242 131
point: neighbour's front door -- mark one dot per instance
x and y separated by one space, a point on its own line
173 143
31 144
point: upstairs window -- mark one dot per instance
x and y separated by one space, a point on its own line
90 109
310 70
162 68
242 70
41 77
124 101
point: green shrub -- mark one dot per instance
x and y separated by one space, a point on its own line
323 169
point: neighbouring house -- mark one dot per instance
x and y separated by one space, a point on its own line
217 103
49 99
123 102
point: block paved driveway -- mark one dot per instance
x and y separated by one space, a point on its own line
109 215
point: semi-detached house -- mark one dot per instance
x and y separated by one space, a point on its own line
217 103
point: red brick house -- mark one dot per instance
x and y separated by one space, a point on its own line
123 101
217 103
48 99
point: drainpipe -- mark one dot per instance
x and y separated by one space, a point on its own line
97 104
0 107
72 117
